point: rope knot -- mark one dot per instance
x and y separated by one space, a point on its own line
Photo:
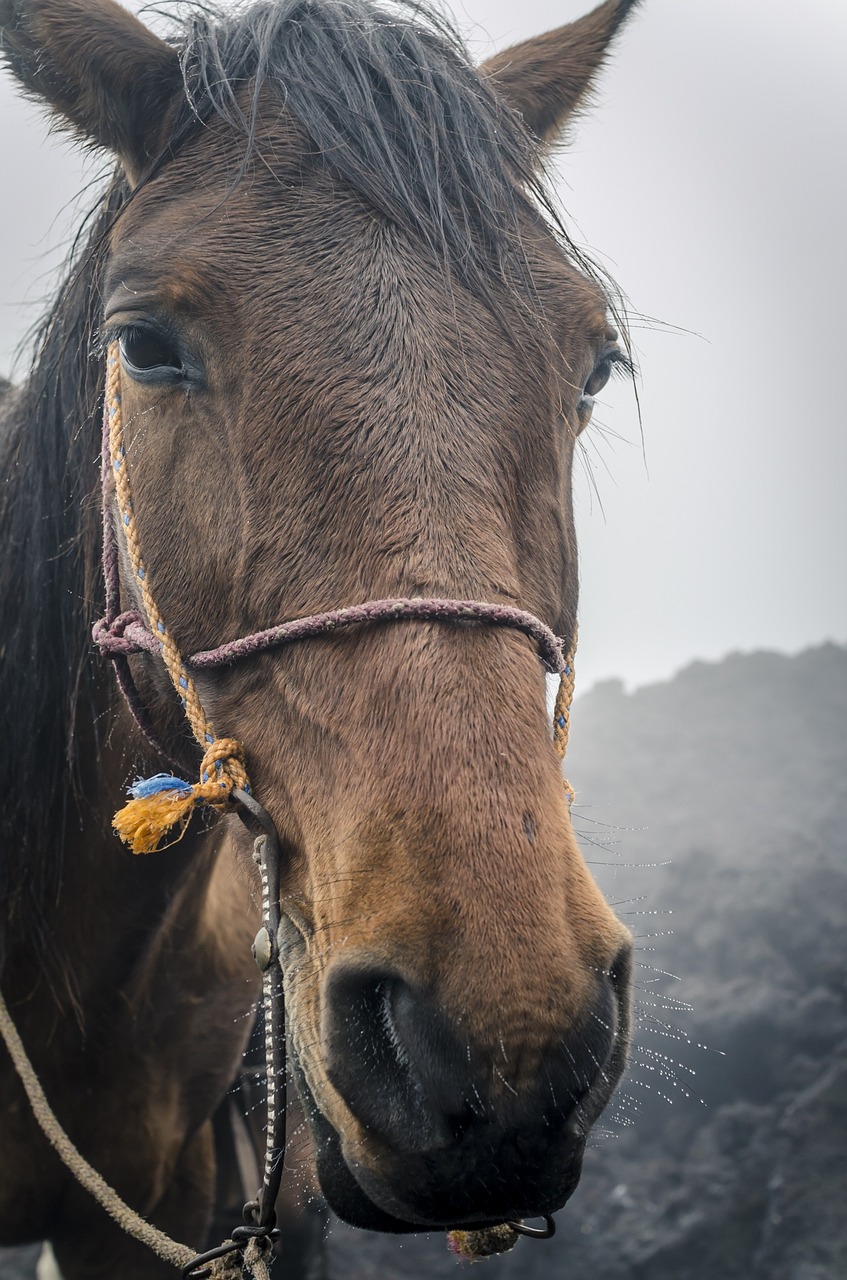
164 803
222 769
250 1252
252 1257
111 637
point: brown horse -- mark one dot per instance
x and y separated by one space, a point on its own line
357 350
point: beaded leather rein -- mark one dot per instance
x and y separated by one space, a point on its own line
164 803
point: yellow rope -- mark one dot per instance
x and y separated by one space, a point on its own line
562 713
180 677
145 821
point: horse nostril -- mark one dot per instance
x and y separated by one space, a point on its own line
402 1070
380 1058
595 1055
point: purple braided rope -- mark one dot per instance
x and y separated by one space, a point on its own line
110 541
127 634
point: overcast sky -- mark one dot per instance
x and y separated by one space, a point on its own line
710 179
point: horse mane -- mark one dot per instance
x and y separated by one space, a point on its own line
50 581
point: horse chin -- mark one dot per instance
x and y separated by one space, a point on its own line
361 1199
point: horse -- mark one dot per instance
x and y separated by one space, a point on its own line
356 349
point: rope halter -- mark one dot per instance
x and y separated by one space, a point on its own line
164 803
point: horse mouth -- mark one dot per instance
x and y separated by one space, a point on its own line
367 1202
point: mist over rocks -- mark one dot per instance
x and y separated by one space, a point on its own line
713 808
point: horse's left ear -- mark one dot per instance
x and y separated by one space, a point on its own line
100 69
547 78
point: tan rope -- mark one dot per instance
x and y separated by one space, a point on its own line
180 677
253 1256
178 1255
148 818
231 1265
488 1242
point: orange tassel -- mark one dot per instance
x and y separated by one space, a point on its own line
144 822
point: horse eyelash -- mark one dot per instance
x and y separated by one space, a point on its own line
623 365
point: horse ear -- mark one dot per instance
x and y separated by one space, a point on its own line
547 78
100 69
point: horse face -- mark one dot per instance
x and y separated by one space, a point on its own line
454 980
316 414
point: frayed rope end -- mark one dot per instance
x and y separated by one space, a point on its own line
157 806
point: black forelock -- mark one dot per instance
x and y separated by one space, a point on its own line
392 103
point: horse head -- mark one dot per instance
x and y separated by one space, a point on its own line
356 355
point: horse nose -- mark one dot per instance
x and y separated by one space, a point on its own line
392 1057
405 1074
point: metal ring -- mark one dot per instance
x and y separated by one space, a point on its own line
535 1233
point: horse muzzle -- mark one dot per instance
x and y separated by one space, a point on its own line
444 1133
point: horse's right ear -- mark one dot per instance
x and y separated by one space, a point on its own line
100 69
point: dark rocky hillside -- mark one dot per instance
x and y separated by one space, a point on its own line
714 810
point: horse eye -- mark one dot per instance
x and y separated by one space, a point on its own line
612 360
599 377
143 351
